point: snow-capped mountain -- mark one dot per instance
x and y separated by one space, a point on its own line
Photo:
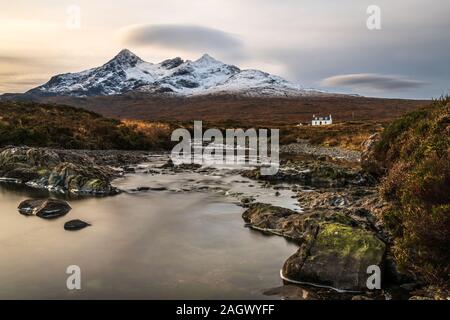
127 72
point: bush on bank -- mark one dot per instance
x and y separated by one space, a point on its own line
415 151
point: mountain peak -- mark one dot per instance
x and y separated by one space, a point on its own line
126 53
206 58
126 58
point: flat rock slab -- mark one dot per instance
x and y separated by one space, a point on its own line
76 224
44 208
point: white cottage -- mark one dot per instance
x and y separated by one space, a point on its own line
320 121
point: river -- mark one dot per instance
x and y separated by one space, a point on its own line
185 239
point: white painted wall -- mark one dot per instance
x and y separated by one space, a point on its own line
322 122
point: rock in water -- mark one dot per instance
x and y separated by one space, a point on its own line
44 208
76 224
27 207
335 249
169 164
336 255
57 170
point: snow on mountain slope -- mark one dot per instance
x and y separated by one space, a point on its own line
258 83
192 77
127 72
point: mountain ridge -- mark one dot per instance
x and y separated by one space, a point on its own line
126 72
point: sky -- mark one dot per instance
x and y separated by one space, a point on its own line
319 44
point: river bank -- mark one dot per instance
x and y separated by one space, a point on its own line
82 172
340 230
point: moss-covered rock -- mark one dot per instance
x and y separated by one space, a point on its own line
336 255
335 249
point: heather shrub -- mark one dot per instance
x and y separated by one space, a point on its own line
46 125
415 149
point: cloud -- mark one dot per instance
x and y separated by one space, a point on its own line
17 82
12 59
185 37
20 72
372 81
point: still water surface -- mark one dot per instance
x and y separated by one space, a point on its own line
186 242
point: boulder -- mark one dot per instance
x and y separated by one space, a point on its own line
289 223
44 208
272 219
335 249
369 162
57 170
76 224
79 179
168 165
28 207
335 255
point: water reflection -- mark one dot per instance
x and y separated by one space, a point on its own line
143 245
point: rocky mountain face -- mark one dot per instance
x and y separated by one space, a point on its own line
127 72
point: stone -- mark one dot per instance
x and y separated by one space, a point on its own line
336 255
369 162
128 169
76 224
63 171
289 223
28 207
44 208
168 165
158 188
140 189
334 248
79 179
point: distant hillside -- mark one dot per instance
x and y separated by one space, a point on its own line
248 110
44 125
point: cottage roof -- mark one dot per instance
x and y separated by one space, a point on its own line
322 118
